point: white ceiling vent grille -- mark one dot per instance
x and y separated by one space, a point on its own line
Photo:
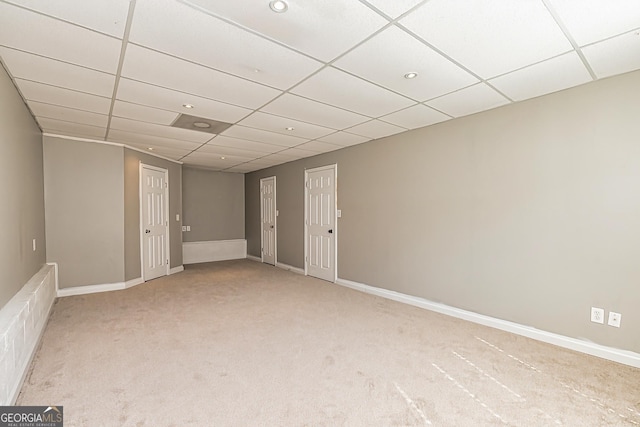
201 124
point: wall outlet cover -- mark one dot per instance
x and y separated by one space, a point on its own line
597 315
614 319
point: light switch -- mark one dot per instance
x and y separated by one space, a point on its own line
188 228
177 217
184 228
277 213
34 245
339 213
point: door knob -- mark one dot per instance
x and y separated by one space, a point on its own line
271 226
147 231
331 231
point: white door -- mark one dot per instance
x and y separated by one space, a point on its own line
268 219
320 223
154 222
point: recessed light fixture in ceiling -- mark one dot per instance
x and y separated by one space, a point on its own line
202 125
410 76
150 148
290 128
222 158
187 105
278 6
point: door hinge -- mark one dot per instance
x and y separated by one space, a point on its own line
166 185
306 259
167 262
262 250
306 184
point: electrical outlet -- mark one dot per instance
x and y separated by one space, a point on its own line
614 319
597 315
184 228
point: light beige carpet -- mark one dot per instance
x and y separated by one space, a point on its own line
239 343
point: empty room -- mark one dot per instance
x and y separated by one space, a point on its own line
310 213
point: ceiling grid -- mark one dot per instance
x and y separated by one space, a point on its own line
315 78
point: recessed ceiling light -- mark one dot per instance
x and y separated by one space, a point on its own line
150 148
187 105
290 128
202 125
410 76
222 158
278 6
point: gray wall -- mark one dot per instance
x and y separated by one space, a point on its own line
21 192
84 197
529 213
132 161
213 205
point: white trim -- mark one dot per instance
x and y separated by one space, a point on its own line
617 355
167 232
275 221
177 269
290 268
117 144
253 258
133 282
334 167
91 289
214 250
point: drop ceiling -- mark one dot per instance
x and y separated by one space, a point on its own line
316 78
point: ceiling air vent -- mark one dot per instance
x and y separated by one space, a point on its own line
200 124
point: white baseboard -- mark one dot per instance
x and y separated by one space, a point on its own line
290 268
215 250
175 270
133 282
254 258
617 355
91 289
22 322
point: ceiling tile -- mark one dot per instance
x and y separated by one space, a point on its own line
344 139
56 39
68 114
163 70
490 37
106 16
591 20
70 129
154 96
394 8
33 91
258 135
279 124
126 137
387 57
549 76
319 147
297 153
415 117
159 130
228 151
376 129
170 152
309 111
206 40
143 113
244 144
614 56
343 90
44 70
212 160
319 29
469 100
